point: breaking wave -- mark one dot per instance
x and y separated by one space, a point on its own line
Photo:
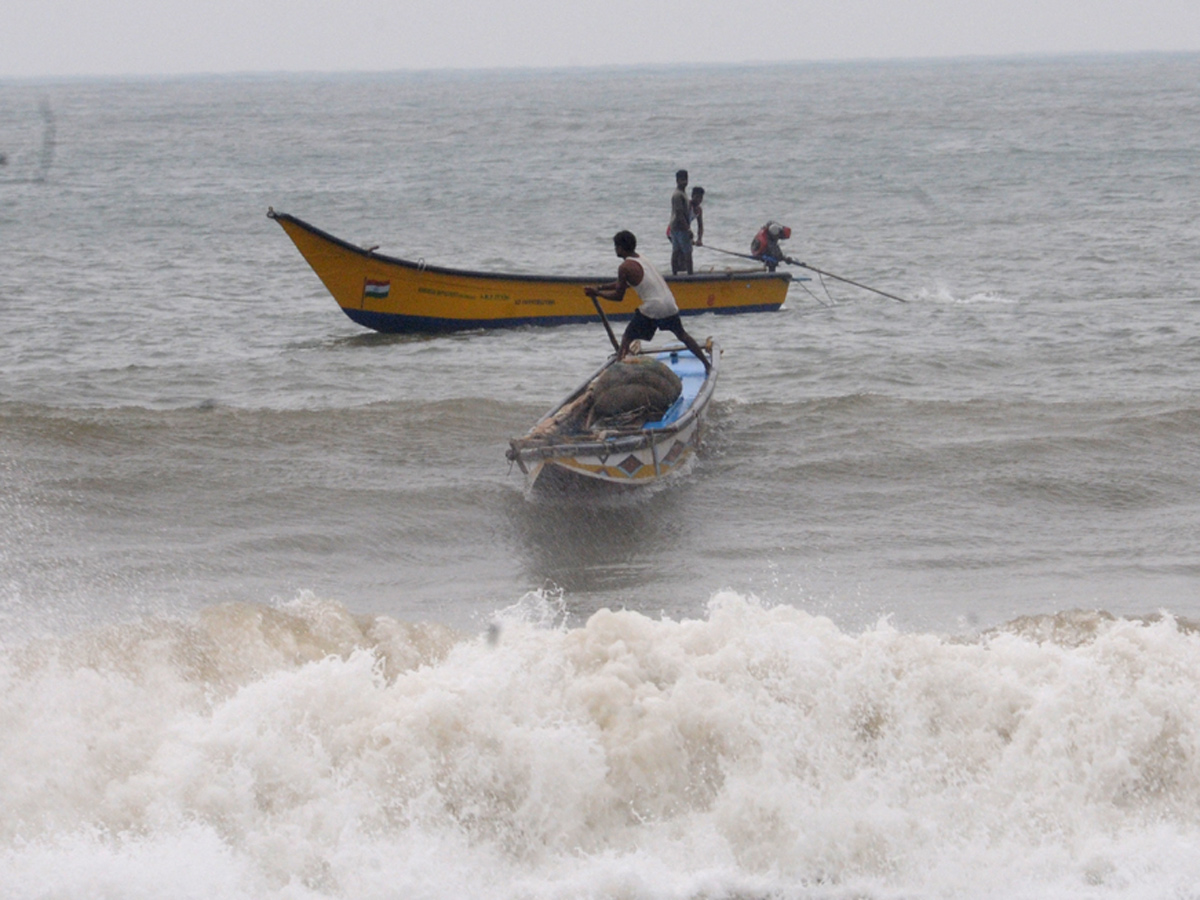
302 751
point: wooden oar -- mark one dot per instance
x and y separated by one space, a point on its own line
603 318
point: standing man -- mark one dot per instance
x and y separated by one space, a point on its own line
681 226
658 309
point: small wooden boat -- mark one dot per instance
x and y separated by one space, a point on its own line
564 446
397 295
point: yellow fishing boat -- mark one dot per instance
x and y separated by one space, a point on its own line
397 295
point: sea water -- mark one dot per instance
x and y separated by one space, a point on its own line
279 619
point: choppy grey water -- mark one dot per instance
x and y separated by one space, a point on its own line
216 487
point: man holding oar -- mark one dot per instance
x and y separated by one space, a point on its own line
658 309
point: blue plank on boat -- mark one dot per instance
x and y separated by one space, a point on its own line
691 373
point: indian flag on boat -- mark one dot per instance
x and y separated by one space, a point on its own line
375 290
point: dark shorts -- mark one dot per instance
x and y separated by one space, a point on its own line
642 328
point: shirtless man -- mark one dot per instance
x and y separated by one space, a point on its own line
658 309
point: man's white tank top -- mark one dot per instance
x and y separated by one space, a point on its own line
657 300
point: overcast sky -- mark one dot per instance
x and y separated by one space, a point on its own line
40 38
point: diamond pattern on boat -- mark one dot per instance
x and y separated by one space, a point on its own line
675 452
629 464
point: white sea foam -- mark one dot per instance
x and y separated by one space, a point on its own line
941 293
759 751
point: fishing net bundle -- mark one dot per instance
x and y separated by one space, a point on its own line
632 392
626 395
